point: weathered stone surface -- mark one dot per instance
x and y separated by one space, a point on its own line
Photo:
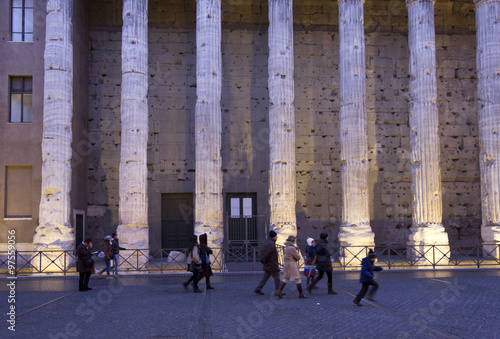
208 123
282 187
488 68
355 228
133 208
54 231
427 226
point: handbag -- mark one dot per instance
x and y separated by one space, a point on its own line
194 268
89 262
310 268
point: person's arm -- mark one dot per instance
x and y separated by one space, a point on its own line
377 268
196 255
296 254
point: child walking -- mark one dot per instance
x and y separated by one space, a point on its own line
366 278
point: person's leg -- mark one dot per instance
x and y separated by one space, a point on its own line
298 282
276 278
116 259
196 278
86 281
373 290
263 281
279 291
207 278
108 266
361 294
80 282
330 283
315 281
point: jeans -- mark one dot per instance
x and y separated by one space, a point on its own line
267 274
116 263
364 289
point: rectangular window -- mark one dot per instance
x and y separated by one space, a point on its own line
18 192
22 20
21 99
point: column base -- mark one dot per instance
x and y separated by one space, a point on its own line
135 238
355 241
491 241
52 244
428 245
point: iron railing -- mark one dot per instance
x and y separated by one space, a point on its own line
236 257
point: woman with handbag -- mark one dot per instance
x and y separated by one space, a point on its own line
291 271
205 252
194 264
84 264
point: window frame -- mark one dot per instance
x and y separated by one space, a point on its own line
23 92
23 32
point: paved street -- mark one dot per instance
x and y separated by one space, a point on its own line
411 304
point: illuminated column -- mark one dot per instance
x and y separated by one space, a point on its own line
133 209
355 230
488 92
54 231
427 228
208 120
282 187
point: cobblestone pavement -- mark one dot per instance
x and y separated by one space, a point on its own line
410 304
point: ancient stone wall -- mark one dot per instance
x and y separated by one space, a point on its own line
245 153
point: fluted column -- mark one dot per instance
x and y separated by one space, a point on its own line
133 209
488 92
355 230
427 228
208 120
54 231
282 187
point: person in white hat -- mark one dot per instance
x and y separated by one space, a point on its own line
108 255
311 259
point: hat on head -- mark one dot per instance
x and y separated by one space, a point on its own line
113 234
323 235
108 237
291 238
272 234
371 254
309 241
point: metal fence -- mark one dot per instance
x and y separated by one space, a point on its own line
235 257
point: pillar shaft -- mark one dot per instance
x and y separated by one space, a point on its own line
133 209
488 92
282 186
427 226
208 121
54 230
355 229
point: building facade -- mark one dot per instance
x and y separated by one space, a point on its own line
368 120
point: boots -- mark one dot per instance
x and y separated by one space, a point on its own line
279 292
311 286
330 291
301 294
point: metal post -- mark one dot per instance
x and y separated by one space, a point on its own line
254 250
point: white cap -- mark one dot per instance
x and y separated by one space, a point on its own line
309 241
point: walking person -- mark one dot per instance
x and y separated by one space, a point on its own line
107 249
311 259
271 267
366 278
291 271
323 263
205 252
194 264
115 246
84 264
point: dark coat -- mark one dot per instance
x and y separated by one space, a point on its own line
323 262
367 269
269 255
311 254
107 249
205 251
116 246
83 253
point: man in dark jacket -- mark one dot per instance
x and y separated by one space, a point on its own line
83 265
366 278
323 264
270 263
115 247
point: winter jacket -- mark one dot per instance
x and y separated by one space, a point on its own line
194 256
116 246
107 248
269 255
323 262
292 257
311 254
367 269
83 253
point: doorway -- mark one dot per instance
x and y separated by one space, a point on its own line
242 225
176 220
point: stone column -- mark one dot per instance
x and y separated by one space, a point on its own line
133 210
208 121
427 228
355 231
54 231
488 92
282 186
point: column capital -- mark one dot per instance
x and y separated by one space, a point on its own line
412 2
483 2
